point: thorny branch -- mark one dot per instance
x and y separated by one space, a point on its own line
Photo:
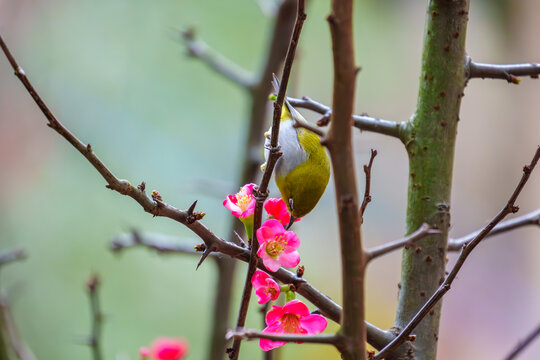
367 193
532 218
409 240
262 190
521 345
509 72
510 207
94 341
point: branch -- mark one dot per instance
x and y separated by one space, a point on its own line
94 340
161 243
11 255
367 195
466 251
362 122
339 144
521 345
247 334
10 330
216 61
262 190
509 72
409 240
532 218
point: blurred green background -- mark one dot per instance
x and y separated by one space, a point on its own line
114 73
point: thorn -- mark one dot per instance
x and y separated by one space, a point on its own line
192 207
300 271
141 186
203 257
241 241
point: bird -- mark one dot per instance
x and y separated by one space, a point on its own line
303 170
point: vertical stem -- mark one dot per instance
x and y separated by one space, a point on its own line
339 143
430 147
262 190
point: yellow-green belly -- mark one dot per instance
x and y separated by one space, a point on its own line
305 184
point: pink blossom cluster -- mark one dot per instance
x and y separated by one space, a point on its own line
277 247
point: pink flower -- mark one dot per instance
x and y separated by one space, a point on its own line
292 318
277 209
277 247
265 287
169 348
241 204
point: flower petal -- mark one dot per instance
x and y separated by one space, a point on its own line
259 278
293 242
313 324
289 260
275 226
296 307
274 315
264 297
270 263
266 344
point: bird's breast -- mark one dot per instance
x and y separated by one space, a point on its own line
292 153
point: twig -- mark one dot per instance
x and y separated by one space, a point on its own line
261 192
521 345
248 334
163 244
10 255
409 240
308 126
532 218
465 252
94 341
215 60
367 194
509 72
10 330
362 122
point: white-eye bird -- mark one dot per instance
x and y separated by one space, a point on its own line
303 170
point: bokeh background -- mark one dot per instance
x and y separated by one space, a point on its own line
115 74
